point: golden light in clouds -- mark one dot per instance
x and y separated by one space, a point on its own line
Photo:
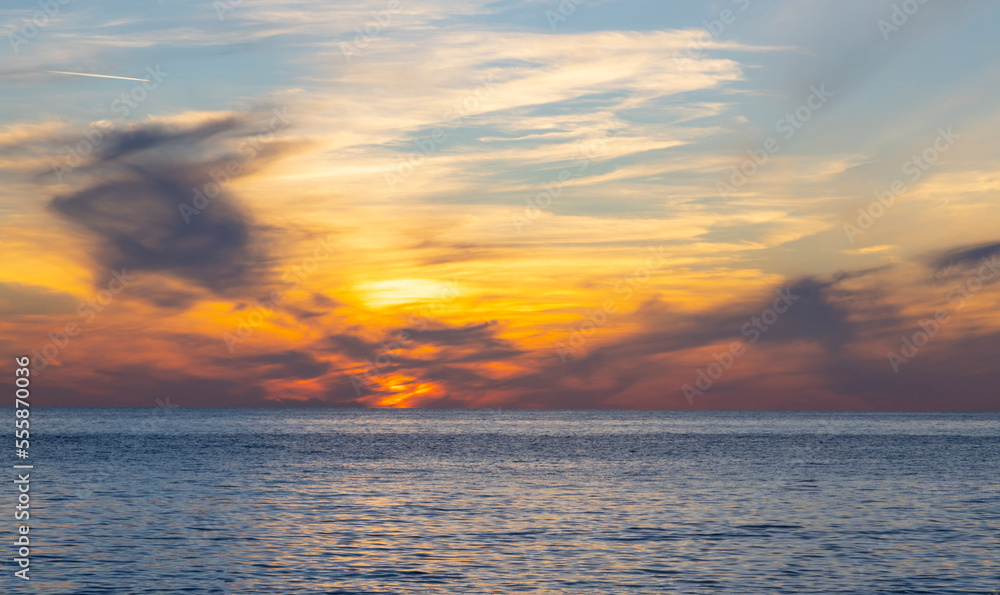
568 180
379 294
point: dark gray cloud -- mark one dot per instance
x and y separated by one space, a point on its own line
139 386
475 334
456 347
134 213
823 312
353 346
164 295
283 364
136 219
303 314
134 140
321 306
964 257
458 344
945 375
815 313
324 301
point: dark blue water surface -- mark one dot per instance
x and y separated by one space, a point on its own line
175 500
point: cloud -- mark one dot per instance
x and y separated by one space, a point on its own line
451 363
156 135
454 344
813 315
291 363
141 386
475 334
964 257
324 301
811 342
353 346
30 300
519 105
172 296
148 172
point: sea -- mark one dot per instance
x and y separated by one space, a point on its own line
292 501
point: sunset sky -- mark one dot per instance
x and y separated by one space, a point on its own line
519 203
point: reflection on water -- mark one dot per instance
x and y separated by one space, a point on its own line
337 501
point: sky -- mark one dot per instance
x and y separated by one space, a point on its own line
581 204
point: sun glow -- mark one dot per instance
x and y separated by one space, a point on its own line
379 294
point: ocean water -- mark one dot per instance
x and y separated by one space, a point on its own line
177 500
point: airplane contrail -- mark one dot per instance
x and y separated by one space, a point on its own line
103 76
